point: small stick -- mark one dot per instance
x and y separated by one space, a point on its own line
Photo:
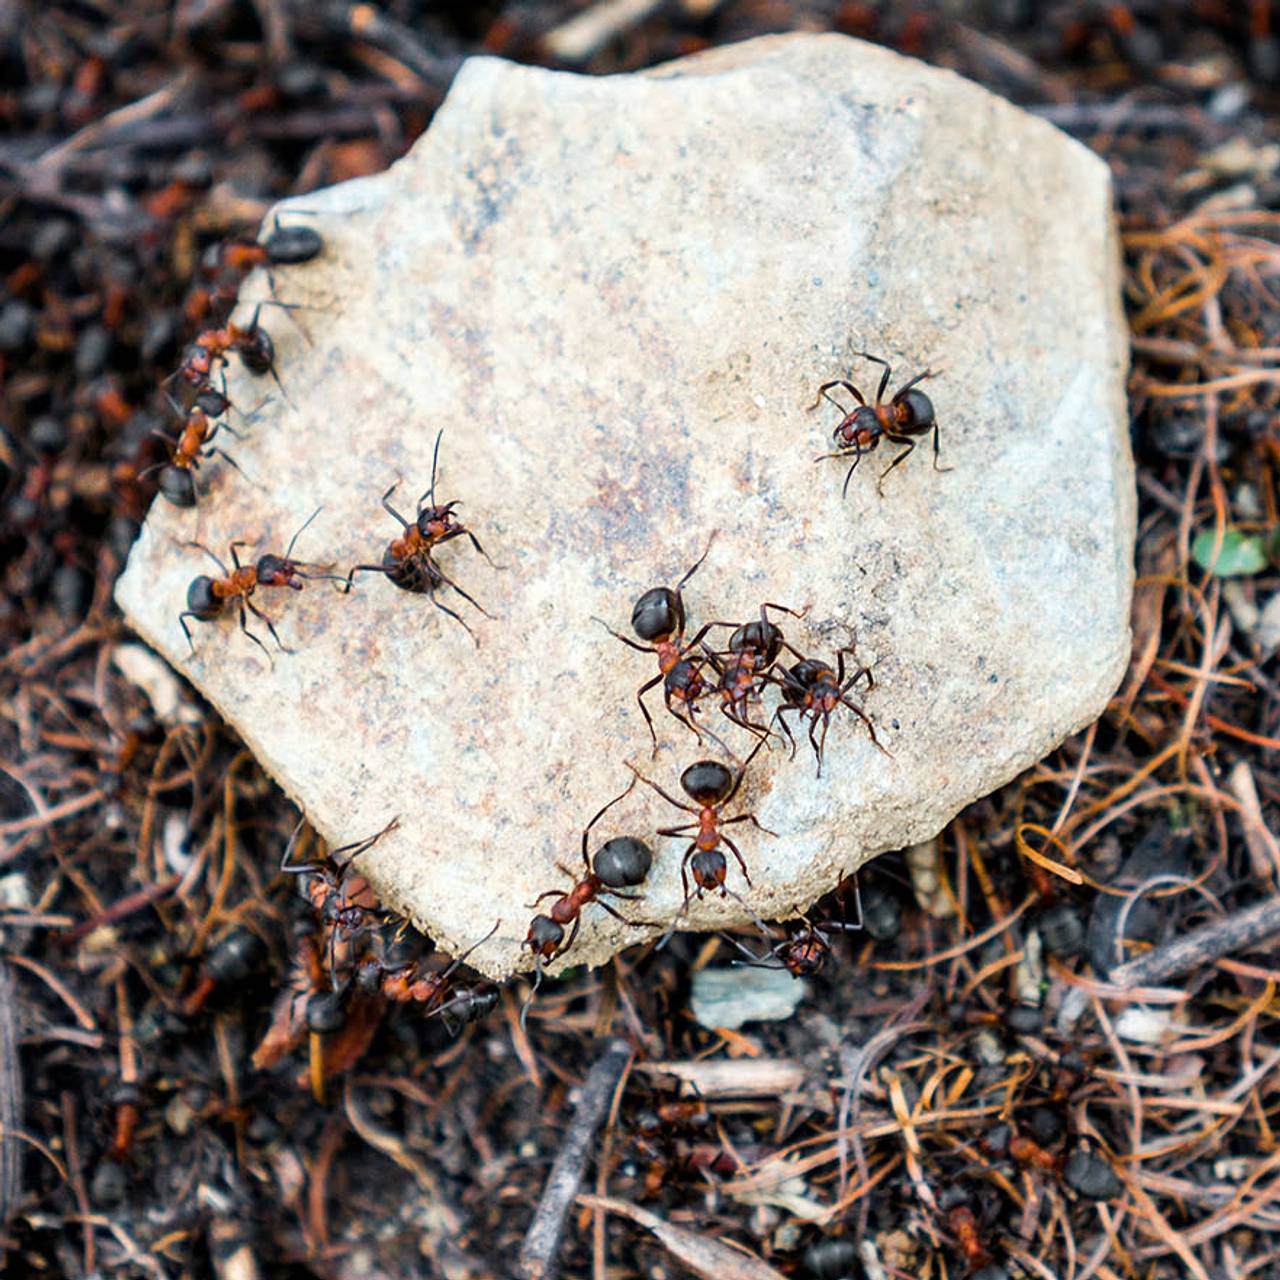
1200 946
546 1231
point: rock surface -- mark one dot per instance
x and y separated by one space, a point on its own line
618 297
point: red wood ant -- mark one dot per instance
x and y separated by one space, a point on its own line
228 261
711 787
812 689
907 415
658 616
408 562
963 1224
206 596
345 909
194 444
743 668
801 953
620 863
254 344
412 984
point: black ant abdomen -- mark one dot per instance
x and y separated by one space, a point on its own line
288 246
415 573
623 862
326 1012
178 485
257 351
707 781
201 599
659 613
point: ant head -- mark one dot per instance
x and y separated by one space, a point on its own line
709 868
257 350
544 937
201 600
178 485
434 522
325 1012
861 425
658 613
919 408
761 636
623 861
275 571
707 782
287 246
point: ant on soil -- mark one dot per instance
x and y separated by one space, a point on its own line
408 562
801 953
410 983
711 786
754 648
345 911
658 616
907 415
620 863
814 690
207 596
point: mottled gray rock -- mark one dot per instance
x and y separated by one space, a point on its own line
618 297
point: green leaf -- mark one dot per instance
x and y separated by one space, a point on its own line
1239 555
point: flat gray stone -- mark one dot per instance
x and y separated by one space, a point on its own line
618 298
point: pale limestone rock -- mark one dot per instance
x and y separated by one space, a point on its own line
618 297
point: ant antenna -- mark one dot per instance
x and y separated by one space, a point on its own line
701 558
289 552
435 458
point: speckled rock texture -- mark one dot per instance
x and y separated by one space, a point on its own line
618 298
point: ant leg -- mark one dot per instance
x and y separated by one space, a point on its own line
680 830
387 507
221 567
186 631
361 846
617 915
257 613
366 568
458 961
670 799
444 608
897 439
786 729
234 549
742 772
862 715
449 582
648 719
698 564
836 382
906 386
857 457
296 868
751 818
533 991
639 648
227 458
733 848
936 436
585 830
884 377
550 893
817 749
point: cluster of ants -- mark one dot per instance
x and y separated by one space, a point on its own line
691 672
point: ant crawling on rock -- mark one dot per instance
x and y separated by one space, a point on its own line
408 562
206 596
658 616
342 899
620 863
754 649
226 263
253 343
711 786
908 415
193 446
812 689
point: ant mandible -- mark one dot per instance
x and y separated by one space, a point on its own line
620 863
408 562
743 668
658 616
344 913
711 786
909 414
812 689
206 596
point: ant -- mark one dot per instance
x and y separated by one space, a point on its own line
658 616
408 562
620 863
228 261
410 983
344 912
207 596
194 443
711 786
814 690
802 953
753 650
254 344
907 415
